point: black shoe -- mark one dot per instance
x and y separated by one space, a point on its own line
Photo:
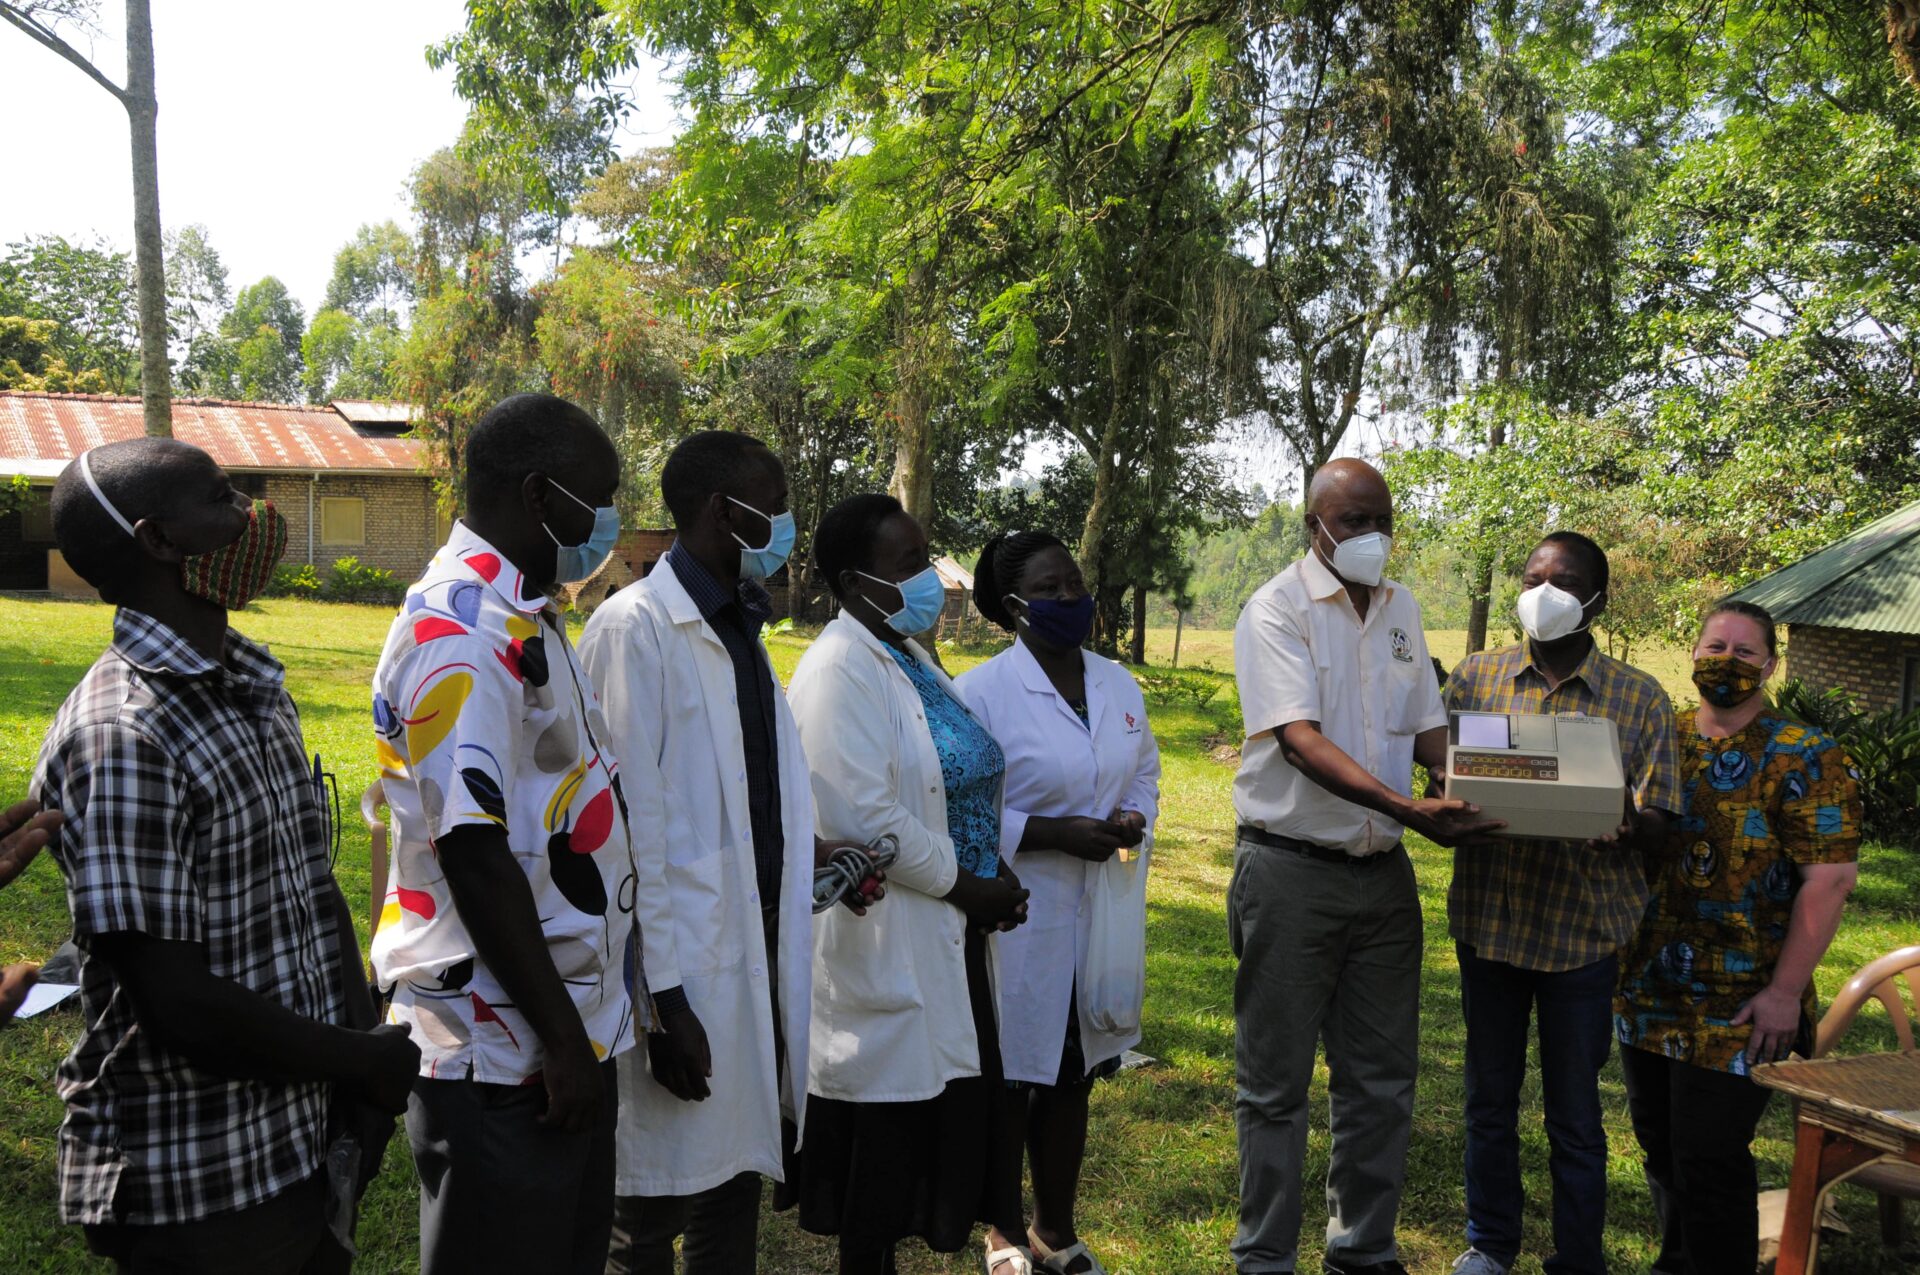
1332 1267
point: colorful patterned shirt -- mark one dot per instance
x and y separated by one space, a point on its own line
972 765
192 817
1555 905
484 717
1758 806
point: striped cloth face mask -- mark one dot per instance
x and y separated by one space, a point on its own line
232 575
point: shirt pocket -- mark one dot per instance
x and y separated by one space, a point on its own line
1406 696
869 967
705 938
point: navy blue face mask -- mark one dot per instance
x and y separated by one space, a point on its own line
1061 624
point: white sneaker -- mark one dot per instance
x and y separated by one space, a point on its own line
1474 1262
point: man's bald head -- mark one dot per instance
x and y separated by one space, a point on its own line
144 478
1346 479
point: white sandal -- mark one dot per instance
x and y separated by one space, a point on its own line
1058 1260
1017 1255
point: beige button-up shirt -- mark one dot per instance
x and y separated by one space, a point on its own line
1302 653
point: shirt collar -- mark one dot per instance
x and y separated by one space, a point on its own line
468 548
1592 669
154 648
710 596
1323 584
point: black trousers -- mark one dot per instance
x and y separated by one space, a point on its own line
286 1235
1696 1127
721 1226
502 1193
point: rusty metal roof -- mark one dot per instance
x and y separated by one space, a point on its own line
367 411
1868 580
41 432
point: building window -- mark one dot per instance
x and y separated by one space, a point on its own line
36 516
343 520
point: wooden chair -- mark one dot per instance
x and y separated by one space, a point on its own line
372 802
1892 1180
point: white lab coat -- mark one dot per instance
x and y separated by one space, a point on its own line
667 685
891 1017
1058 767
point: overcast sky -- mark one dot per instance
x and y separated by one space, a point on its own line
282 128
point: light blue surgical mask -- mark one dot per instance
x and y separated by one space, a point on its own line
572 563
758 564
922 598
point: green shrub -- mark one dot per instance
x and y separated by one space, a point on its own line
352 582
1179 686
294 580
1884 746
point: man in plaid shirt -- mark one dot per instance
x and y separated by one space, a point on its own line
1542 922
217 954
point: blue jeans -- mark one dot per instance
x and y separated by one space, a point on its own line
1576 1033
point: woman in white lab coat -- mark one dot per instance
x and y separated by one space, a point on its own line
1083 784
904 1072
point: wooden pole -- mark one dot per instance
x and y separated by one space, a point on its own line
1179 623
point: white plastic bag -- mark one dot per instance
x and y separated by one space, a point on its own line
1116 979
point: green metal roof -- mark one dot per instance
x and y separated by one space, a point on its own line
1869 580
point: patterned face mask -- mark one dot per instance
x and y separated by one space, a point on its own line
1726 681
234 575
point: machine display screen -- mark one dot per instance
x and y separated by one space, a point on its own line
1484 730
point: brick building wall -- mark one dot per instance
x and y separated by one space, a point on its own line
1879 669
25 537
401 522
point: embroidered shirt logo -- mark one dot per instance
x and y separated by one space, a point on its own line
1402 646
1130 721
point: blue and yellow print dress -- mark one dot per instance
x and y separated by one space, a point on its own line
1756 807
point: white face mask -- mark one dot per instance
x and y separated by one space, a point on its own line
1362 559
1548 613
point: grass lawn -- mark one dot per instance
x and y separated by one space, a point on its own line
1160 1181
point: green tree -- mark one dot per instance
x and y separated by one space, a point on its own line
346 357
29 361
198 297
373 274
88 290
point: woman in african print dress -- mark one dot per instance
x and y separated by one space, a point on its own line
1746 895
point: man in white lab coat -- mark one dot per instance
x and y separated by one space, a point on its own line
724 847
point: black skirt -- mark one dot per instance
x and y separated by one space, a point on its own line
875 1173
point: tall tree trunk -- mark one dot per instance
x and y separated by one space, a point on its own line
1478 604
156 374
912 481
1137 649
1481 597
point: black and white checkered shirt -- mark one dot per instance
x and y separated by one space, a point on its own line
191 817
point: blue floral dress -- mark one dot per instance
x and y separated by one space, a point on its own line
971 765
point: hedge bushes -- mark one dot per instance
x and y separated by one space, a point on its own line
348 581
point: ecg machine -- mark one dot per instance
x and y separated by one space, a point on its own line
1557 777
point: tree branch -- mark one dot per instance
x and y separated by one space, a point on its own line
45 36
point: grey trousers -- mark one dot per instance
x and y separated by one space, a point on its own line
500 1192
721 1225
1327 951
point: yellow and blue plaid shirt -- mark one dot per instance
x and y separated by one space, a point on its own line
1556 905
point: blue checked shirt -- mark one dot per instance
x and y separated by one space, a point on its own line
191 817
